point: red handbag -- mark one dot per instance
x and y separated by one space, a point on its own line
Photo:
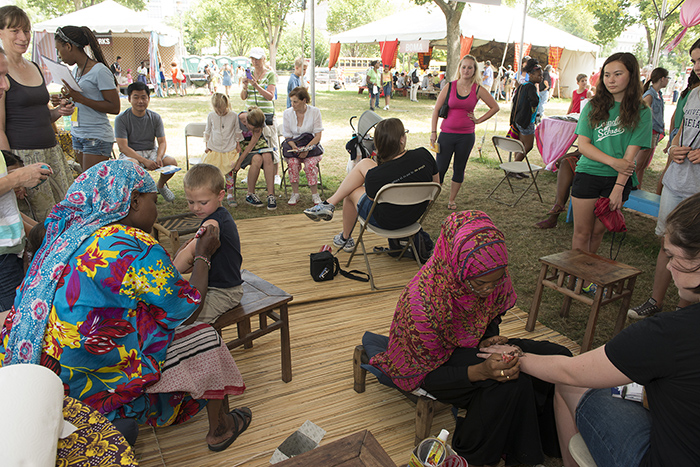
614 221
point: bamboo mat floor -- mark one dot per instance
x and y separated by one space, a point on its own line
327 321
323 336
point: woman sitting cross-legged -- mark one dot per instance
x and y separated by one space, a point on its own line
103 306
394 164
450 309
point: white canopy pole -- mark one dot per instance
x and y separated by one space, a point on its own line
313 53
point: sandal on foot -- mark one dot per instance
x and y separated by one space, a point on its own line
452 206
548 223
556 209
246 415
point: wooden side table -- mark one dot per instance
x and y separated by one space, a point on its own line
358 450
260 298
569 270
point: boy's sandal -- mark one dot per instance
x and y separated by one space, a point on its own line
245 415
452 206
556 209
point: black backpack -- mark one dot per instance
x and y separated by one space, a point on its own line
423 242
414 76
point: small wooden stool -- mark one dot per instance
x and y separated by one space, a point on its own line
615 281
425 406
260 298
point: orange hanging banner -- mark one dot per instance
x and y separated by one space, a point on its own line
389 50
335 53
465 45
554 56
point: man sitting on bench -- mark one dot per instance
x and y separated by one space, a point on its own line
137 129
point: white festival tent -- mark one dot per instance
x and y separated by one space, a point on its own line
487 23
120 32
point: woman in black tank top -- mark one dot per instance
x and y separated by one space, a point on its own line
25 119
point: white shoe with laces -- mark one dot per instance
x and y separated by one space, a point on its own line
316 198
294 199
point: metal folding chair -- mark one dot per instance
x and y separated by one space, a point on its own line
402 194
193 130
285 167
514 167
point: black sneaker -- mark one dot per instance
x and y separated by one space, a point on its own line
646 309
271 203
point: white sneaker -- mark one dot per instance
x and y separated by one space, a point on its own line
244 181
278 180
294 199
386 107
316 198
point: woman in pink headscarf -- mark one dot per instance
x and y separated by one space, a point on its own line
449 310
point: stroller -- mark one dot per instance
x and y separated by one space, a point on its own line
361 145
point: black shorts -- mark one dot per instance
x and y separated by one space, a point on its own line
587 186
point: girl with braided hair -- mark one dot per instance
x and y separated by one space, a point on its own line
93 136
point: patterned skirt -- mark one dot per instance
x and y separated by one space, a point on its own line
45 196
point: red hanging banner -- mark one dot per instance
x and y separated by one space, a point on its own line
335 53
389 50
465 45
554 56
527 48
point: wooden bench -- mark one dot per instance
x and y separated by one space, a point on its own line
260 298
425 406
639 200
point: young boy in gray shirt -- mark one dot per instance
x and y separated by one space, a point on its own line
137 130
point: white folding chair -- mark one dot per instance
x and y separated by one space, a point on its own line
193 130
285 166
514 167
402 194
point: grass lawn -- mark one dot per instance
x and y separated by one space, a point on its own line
525 243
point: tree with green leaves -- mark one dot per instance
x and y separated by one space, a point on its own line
269 18
344 15
209 24
290 47
54 8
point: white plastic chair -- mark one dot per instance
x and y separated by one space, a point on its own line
514 167
403 194
195 130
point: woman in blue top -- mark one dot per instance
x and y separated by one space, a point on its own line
93 136
612 128
653 99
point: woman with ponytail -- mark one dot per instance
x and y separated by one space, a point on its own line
93 136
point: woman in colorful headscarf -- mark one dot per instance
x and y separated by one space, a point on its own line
449 310
103 306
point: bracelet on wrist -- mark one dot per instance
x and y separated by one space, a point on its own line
621 184
434 131
203 258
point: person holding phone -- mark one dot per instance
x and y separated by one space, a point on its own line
259 89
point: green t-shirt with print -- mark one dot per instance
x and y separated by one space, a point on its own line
373 76
611 138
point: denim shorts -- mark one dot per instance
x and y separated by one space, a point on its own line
616 431
94 146
669 201
587 186
528 130
11 275
387 89
363 207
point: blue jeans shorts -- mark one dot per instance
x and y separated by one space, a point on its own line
387 89
11 275
669 201
616 431
94 146
363 207
528 130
